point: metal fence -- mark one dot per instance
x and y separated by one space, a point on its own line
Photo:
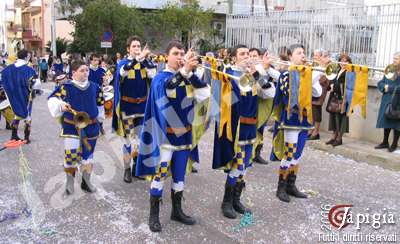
370 34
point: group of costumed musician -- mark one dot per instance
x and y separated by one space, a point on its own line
242 111
131 88
19 82
74 98
168 144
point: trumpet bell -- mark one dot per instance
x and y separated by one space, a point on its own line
245 83
391 72
81 120
332 70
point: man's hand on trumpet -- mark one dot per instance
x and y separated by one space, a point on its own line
144 54
267 60
65 107
191 62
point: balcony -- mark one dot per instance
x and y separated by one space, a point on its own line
28 35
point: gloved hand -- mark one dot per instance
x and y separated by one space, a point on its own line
130 65
174 81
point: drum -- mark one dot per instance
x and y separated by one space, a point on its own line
109 89
108 104
4 103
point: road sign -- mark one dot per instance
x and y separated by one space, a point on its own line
107 36
106 44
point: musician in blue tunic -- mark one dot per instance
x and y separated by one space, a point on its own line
58 67
71 102
132 78
167 143
19 80
293 123
236 135
96 73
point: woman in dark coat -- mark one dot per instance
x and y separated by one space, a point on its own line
338 122
388 88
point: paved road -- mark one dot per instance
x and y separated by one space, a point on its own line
35 210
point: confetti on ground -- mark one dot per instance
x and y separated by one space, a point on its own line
245 221
311 193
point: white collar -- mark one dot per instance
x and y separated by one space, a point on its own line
20 62
235 68
168 69
80 84
93 67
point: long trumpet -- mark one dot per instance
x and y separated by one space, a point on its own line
245 81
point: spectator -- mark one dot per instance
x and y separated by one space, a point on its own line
338 120
323 59
43 66
390 90
50 61
118 57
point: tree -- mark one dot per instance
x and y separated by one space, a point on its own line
70 6
103 15
62 46
186 22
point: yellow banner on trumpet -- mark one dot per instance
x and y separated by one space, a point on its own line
300 91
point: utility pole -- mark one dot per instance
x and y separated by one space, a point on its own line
230 6
266 7
252 7
53 29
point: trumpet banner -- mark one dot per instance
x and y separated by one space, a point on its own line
223 87
356 91
300 91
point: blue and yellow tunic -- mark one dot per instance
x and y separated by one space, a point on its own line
287 121
168 119
179 116
248 106
134 89
130 93
86 99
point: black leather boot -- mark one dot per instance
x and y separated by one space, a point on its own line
14 134
27 133
385 142
128 175
396 136
134 160
237 205
8 126
154 219
291 187
86 185
281 191
227 203
258 159
177 213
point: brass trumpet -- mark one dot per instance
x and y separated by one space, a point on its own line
391 71
81 119
245 82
